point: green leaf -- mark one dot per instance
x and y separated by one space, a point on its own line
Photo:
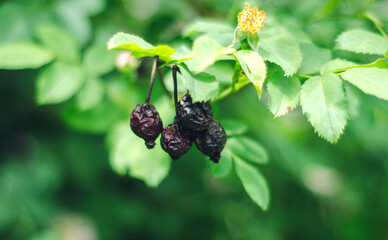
138 47
58 83
283 93
361 41
222 38
24 55
223 72
98 60
223 167
207 26
283 51
253 41
253 67
90 94
324 103
87 7
379 63
175 61
205 52
276 29
75 21
62 43
13 21
372 81
239 35
233 127
313 58
129 154
247 149
342 65
254 183
335 64
97 120
202 87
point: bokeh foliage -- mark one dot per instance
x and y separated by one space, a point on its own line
63 167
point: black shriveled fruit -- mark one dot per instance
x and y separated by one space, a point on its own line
194 116
211 141
146 123
175 141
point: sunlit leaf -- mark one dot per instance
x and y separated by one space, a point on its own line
324 103
253 41
372 81
24 55
283 51
139 47
361 41
253 67
335 64
205 53
202 87
313 58
283 93
239 35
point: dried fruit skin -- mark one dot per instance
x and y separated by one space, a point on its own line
175 141
212 141
146 123
194 116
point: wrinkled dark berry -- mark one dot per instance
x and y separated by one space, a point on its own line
175 141
194 116
146 123
211 141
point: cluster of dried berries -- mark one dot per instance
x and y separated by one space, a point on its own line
193 123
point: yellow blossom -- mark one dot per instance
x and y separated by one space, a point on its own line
251 19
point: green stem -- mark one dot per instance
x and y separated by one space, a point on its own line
236 74
376 22
242 83
303 76
351 67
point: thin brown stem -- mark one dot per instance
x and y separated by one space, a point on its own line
152 79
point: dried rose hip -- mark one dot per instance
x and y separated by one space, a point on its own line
146 123
211 141
194 116
175 141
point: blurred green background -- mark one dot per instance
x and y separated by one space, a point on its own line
57 178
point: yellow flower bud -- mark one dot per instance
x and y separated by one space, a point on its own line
251 19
